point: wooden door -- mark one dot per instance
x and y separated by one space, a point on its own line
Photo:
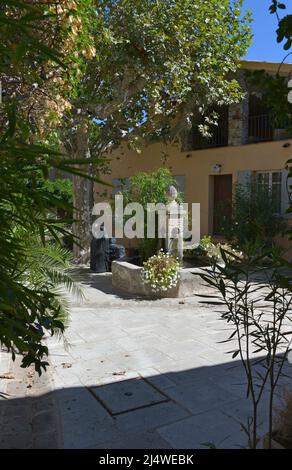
222 200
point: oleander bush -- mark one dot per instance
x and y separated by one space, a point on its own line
259 314
254 217
208 251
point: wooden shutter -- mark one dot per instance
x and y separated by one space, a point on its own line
244 177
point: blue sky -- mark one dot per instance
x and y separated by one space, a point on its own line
265 46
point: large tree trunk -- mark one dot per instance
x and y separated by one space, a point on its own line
82 198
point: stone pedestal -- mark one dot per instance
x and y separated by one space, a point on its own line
174 229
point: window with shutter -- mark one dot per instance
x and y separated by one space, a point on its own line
272 181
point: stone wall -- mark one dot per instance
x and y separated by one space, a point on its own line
238 119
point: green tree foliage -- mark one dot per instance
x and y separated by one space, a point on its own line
284 30
159 60
40 43
60 192
273 90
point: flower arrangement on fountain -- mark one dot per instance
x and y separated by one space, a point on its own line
161 271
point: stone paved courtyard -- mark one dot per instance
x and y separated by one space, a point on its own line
138 374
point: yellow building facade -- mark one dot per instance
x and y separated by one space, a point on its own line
206 174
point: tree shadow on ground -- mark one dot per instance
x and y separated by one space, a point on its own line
102 282
124 409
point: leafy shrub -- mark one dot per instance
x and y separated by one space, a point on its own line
149 187
161 272
60 188
253 218
60 194
146 188
205 242
42 275
212 251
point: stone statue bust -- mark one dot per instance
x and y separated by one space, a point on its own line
172 193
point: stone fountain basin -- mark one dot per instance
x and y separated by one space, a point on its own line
128 278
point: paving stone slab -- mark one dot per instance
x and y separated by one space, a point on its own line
160 381
151 417
142 358
198 399
128 395
201 431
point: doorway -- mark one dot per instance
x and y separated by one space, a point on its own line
222 203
